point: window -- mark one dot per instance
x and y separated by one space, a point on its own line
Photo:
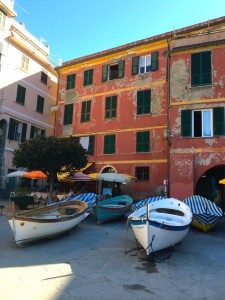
143 141
86 111
35 131
70 83
110 107
143 102
91 145
2 19
44 77
68 114
88 77
113 71
203 123
40 104
21 92
17 130
144 64
142 173
109 144
201 69
25 63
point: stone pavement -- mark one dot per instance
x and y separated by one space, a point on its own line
91 263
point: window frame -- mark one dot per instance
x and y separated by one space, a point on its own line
142 141
85 111
40 104
88 77
25 63
44 77
107 74
70 81
3 16
201 69
142 173
17 130
36 131
109 144
68 114
143 96
21 94
110 107
136 63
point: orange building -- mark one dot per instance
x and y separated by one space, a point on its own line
142 109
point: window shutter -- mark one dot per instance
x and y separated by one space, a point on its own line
218 121
109 144
42 132
142 141
11 129
24 132
104 73
135 65
32 129
186 120
68 114
121 65
154 61
91 145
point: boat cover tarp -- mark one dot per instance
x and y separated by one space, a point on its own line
142 203
203 209
89 198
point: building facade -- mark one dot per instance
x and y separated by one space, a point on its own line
153 109
28 88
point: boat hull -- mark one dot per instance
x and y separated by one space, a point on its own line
161 224
113 208
39 226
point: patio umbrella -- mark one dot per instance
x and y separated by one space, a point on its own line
35 175
222 181
95 175
18 173
113 177
78 177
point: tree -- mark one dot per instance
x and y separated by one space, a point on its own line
51 155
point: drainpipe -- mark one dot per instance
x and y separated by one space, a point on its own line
168 118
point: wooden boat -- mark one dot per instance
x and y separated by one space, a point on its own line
161 224
47 221
206 214
113 208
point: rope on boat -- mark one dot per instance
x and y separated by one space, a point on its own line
138 248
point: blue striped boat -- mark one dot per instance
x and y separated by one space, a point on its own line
206 214
89 198
142 203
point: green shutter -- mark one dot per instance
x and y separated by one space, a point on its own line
91 145
32 129
186 123
88 77
121 65
21 92
154 61
201 69
104 73
143 141
70 84
109 144
143 102
42 132
11 129
24 132
218 121
68 114
135 65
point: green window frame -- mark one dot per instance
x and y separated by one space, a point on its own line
91 145
35 131
17 130
188 123
142 173
109 144
110 107
68 114
86 111
40 104
154 63
143 102
113 71
201 68
21 93
88 77
143 141
70 81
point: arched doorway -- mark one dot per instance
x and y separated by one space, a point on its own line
208 185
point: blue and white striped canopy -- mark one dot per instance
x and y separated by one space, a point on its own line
89 198
142 203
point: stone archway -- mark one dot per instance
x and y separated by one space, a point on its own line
208 185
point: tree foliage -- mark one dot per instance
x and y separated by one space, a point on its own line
51 155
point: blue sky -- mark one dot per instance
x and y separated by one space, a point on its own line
75 28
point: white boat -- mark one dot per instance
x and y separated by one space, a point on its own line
47 221
161 224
